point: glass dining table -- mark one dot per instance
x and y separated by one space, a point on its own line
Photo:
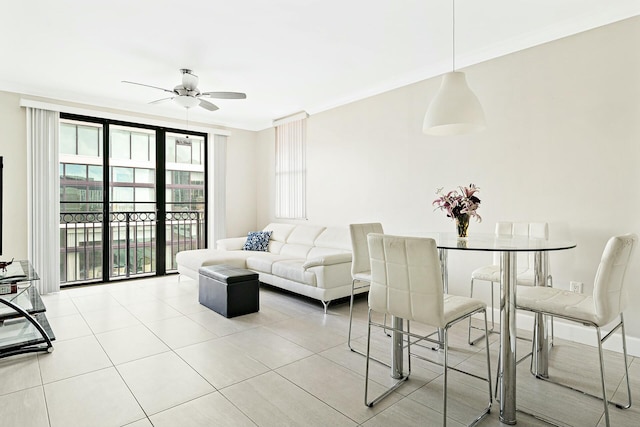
508 247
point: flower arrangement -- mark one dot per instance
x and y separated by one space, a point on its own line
459 204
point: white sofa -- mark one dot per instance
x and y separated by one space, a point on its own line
313 261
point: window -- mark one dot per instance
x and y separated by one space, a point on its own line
140 147
89 141
120 147
78 139
184 150
291 170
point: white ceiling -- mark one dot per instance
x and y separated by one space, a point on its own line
287 55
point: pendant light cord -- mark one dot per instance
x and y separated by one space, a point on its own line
454 33
187 136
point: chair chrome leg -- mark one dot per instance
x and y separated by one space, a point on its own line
353 282
351 322
493 320
409 345
442 341
366 383
486 343
445 339
470 296
626 365
493 323
385 324
603 396
487 410
604 389
366 369
550 284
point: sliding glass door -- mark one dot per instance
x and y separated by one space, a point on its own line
132 202
81 201
185 195
129 204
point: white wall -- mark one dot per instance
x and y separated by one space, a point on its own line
562 146
241 183
13 136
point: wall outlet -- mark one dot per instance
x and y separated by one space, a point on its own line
576 287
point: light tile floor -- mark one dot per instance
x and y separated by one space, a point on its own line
145 353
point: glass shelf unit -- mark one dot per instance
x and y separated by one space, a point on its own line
24 327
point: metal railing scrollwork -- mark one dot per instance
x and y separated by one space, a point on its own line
132 243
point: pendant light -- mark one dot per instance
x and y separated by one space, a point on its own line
455 110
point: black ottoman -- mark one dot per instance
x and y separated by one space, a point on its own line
229 290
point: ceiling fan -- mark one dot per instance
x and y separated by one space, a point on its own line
188 95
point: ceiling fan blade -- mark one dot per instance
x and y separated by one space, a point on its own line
158 101
225 95
142 84
207 105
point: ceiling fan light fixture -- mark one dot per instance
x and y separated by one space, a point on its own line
455 110
187 94
187 101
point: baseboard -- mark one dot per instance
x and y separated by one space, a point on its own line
581 334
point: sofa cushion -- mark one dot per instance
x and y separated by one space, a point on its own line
334 237
295 251
328 259
231 243
257 241
293 270
274 246
280 232
263 262
196 258
316 252
305 234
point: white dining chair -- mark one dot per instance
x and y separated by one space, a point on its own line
605 305
406 282
491 273
360 265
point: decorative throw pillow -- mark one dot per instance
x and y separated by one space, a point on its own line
257 241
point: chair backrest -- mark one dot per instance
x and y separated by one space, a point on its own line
609 289
360 262
406 279
537 230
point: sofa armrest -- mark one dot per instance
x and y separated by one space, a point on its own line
231 244
327 260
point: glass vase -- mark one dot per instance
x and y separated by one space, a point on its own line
462 224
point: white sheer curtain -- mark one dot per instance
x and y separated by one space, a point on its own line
43 186
291 170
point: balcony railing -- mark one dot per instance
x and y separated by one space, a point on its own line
80 247
132 243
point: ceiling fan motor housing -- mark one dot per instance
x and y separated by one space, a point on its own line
189 80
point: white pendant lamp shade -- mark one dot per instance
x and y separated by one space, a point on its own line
455 110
